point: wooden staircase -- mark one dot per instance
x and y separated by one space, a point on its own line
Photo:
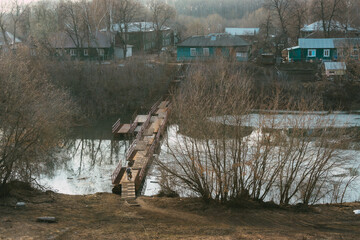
128 190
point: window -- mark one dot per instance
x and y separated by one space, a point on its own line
101 52
241 54
206 52
72 52
355 52
193 52
86 52
312 53
59 52
326 52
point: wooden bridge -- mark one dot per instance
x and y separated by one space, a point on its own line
149 129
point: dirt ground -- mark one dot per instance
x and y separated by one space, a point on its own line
107 216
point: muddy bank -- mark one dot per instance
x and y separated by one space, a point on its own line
107 216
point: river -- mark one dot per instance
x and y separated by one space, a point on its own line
89 157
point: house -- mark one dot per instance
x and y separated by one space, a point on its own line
242 31
142 35
337 29
100 47
334 69
213 46
323 49
8 39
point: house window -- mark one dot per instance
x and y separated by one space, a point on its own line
101 52
206 52
72 52
355 52
193 52
241 54
326 52
86 52
59 52
312 53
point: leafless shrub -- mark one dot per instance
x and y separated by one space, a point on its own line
288 157
34 116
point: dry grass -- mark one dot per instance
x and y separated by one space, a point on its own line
107 216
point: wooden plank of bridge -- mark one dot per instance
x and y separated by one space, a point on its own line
128 190
139 154
124 129
163 104
140 163
155 126
149 131
161 110
141 118
150 139
141 146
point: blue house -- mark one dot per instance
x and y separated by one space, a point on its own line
213 46
323 49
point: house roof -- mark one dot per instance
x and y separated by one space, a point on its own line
137 27
10 37
335 66
316 43
64 40
328 42
242 31
214 40
318 26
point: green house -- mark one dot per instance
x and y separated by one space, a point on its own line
323 49
213 46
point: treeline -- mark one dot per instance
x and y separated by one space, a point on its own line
228 9
101 90
81 20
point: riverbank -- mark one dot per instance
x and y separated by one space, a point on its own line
107 216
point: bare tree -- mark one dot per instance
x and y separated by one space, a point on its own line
220 150
17 12
161 15
74 26
299 14
3 23
327 11
124 12
34 117
282 10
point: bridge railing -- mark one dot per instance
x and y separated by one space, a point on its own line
131 149
115 126
116 173
154 107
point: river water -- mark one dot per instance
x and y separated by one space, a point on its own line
87 160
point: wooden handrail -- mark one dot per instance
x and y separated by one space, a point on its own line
116 172
155 106
131 149
116 126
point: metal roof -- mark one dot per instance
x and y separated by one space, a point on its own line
138 27
9 37
63 40
335 65
316 43
214 40
318 26
328 42
242 31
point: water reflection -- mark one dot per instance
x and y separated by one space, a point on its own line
84 166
